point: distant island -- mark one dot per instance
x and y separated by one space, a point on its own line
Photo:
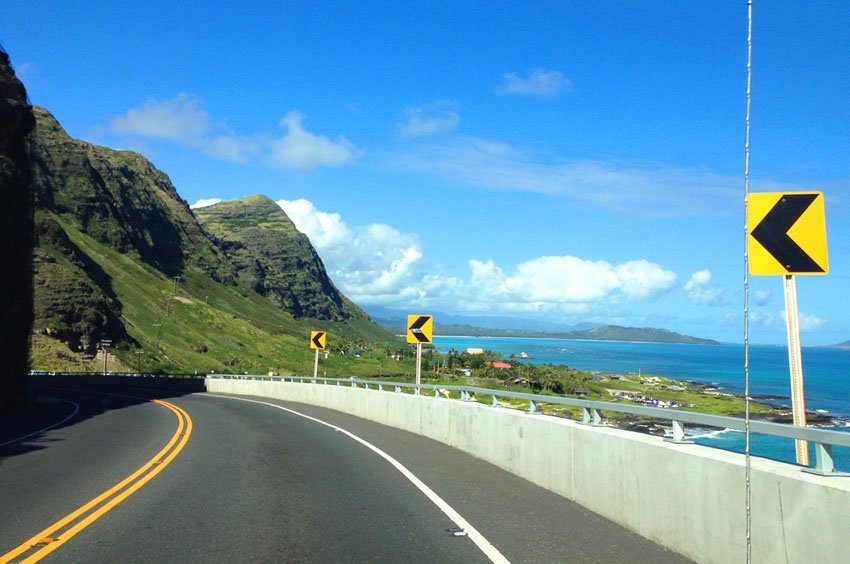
600 333
845 345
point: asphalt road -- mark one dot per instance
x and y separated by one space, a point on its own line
255 482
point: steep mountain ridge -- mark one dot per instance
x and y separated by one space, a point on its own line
120 256
278 260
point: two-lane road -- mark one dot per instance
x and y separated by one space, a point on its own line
266 480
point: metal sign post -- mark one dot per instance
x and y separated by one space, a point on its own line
418 363
795 366
787 236
318 341
420 329
103 345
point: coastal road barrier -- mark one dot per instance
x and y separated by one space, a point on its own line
687 497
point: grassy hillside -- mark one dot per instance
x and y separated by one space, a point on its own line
121 257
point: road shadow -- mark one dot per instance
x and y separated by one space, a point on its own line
63 400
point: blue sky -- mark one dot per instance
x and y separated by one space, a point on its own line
561 161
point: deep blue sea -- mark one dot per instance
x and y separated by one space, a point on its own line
826 374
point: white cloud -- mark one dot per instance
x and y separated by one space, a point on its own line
700 290
378 264
422 124
178 119
305 151
762 297
661 190
205 203
374 264
808 322
537 83
183 120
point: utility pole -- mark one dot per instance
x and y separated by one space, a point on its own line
176 280
167 306
157 326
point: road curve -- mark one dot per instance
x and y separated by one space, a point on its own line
256 482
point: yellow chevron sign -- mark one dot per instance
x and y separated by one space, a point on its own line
420 329
318 340
786 233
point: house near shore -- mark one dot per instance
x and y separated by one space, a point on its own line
498 364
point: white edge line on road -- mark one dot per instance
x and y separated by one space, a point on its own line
480 541
76 409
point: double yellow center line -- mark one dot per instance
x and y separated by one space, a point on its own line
66 528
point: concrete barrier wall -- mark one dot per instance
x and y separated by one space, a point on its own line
686 497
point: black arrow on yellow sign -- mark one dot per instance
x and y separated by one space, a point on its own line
318 339
772 233
417 331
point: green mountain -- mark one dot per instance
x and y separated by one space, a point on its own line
120 256
275 258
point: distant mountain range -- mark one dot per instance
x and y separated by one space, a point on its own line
395 323
844 345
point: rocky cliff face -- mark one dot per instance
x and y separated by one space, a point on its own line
120 200
275 258
112 233
16 235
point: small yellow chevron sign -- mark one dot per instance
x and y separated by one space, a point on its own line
420 328
786 233
318 339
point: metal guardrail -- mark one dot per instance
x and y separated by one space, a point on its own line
823 439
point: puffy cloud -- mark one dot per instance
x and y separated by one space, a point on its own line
422 124
554 281
762 297
205 202
372 264
305 151
808 322
183 120
537 83
378 264
701 291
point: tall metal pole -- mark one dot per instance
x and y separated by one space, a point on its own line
316 365
795 366
747 460
418 363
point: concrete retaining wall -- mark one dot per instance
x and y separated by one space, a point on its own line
686 497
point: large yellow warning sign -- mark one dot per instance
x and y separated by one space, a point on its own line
786 233
420 329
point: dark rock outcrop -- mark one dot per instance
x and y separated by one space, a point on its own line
16 235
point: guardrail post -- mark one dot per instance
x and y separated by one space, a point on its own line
532 407
495 402
824 463
436 393
590 416
417 391
380 387
678 433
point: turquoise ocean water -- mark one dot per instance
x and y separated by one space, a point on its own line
826 374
